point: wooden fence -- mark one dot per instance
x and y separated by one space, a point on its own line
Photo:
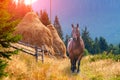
33 50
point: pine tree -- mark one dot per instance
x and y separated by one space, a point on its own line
110 48
44 18
67 37
119 47
103 44
87 40
58 27
6 36
19 10
116 49
96 48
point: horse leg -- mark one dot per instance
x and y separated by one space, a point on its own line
75 60
78 70
67 54
73 65
79 60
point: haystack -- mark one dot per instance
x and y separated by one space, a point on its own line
34 32
58 44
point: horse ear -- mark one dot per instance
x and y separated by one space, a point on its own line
77 25
72 25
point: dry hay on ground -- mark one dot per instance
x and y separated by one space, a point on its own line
58 44
34 32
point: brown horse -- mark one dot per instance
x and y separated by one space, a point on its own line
75 48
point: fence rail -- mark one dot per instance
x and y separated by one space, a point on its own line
33 50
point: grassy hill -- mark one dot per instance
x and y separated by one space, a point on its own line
24 67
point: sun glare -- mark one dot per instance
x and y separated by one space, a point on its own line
29 2
26 2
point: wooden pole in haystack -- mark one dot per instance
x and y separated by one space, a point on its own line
50 10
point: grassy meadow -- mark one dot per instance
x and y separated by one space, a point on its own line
25 67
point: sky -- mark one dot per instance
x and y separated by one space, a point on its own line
101 17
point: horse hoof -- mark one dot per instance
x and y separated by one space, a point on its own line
78 71
73 71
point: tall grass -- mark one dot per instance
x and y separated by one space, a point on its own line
24 67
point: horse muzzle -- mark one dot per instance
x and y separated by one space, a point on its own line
75 39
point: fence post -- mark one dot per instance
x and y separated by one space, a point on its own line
43 49
36 53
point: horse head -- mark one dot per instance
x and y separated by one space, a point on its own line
75 32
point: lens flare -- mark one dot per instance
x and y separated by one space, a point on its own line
29 2
15 1
26 2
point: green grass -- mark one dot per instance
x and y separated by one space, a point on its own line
115 78
104 55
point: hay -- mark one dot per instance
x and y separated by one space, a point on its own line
58 44
34 32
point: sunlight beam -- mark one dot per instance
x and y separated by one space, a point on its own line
26 2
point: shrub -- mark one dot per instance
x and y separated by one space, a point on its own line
104 55
86 52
